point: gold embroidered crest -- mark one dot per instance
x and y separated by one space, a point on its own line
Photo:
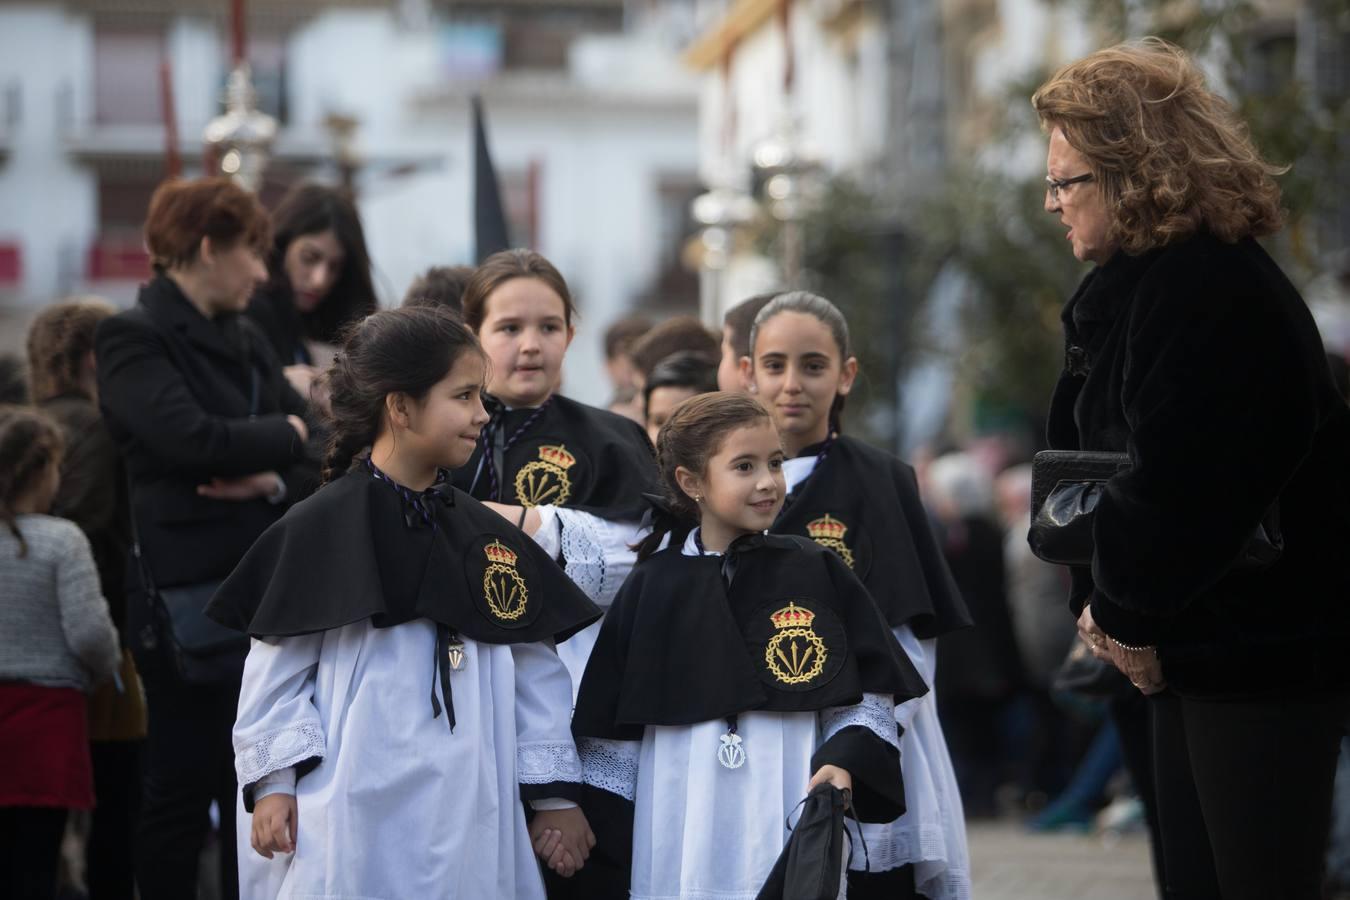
795 654
828 531
545 480
504 588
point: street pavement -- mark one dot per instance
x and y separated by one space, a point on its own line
1010 864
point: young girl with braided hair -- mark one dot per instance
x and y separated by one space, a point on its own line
57 641
402 695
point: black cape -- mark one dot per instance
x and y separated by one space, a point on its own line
864 504
794 632
571 455
355 550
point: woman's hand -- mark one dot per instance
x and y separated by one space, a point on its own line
274 823
1093 637
248 487
562 838
840 778
1140 666
301 429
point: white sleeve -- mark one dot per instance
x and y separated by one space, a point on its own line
282 781
547 766
610 765
596 552
924 656
277 726
876 712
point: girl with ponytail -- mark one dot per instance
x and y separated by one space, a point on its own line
863 505
735 672
402 695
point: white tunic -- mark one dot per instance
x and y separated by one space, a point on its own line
932 833
400 806
705 832
597 555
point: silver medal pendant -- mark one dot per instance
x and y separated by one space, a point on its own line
456 654
732 753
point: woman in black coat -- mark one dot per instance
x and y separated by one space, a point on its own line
213 438
1189 348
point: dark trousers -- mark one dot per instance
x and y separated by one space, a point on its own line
189 761
109 854
1244 794
1132 714
30 847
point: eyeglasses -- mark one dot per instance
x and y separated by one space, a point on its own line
1054 186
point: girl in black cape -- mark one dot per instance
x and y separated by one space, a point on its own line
402 695
735 671
863 504
580 471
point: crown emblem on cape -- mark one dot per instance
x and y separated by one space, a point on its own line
792 616
826 528
557 455
498 552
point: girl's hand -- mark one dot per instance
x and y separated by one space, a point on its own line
274 822
840 778
562 838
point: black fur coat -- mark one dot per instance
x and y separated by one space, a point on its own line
1201 360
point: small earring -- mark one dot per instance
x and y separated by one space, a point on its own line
698 498
754 389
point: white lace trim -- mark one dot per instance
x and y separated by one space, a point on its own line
279 749
544 762
876 712
610 765
583 548
925 845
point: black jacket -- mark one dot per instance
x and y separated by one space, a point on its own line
273 311
1201 360
176 390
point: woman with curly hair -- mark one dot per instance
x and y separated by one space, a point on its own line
1190 350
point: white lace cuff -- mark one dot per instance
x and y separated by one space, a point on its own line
876 712
278 749
597 553
610 765
546 762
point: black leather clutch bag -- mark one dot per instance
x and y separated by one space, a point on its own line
1066 486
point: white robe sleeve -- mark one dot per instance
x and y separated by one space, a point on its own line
876 713
610 765
277 726
924 656
547 765
596 552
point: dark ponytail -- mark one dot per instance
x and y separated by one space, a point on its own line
693 435
29 442
824 311
405 351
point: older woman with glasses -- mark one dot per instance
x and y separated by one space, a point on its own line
1189 349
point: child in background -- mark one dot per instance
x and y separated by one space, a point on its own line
57 641
863 504
402 695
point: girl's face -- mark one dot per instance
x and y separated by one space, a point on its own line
661 403
442 428
742 487
525 335
313 264
796 370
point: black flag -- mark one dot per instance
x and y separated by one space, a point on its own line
489 218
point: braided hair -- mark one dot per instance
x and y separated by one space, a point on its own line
59 340
406 351
30 443
693 435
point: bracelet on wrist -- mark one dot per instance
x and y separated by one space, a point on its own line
1123 646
